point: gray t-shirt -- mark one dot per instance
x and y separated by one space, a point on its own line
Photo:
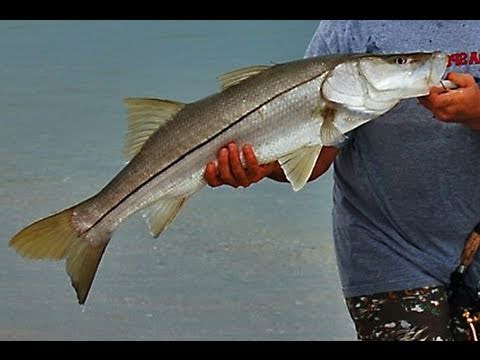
406 186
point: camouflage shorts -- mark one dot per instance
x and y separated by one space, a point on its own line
412 314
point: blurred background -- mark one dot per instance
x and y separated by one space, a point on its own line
256 264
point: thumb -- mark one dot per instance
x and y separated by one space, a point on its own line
462 80
435 90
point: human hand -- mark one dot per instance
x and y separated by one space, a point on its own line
230 170
461 105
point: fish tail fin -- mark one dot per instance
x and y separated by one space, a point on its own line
82 265
55 238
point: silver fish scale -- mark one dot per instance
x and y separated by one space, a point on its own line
137 184
282 125
195 124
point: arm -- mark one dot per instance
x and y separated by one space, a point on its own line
231 172
461 105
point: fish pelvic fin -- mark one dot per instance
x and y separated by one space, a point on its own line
55 238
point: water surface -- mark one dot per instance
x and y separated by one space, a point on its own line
254 264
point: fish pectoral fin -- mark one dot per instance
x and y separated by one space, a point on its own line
347 119
145 116
161 214
298 165
329 133
236 76
54 238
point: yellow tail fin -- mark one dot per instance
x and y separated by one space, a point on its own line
55 238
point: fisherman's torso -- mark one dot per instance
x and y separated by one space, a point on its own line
406 186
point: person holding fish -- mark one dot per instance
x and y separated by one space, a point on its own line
402 206
406 191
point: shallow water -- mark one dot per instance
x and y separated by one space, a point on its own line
254 264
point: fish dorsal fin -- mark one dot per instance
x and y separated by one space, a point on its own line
236 76
298 165
161 213
144 117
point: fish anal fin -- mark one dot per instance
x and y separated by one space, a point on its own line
298 165
161 214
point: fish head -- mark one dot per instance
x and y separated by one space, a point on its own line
403 75
374 83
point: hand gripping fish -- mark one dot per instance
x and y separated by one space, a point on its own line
285 111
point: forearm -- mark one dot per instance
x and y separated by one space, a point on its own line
277 173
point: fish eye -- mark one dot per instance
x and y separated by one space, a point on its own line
399 60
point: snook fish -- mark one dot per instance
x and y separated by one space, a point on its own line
285 111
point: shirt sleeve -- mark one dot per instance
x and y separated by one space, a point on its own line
337 37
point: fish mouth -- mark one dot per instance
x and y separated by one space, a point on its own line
432 72
438 67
